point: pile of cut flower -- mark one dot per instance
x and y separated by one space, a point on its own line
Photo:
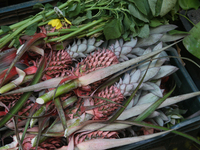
86 93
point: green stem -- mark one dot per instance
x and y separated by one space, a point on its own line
61 112
16 25
95 31
69 86
80 30
12 85
36 19
61 32
4 37
11 43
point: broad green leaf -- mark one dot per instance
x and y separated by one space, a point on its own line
136 13
152 4
155 22
72 7
143 6
59 3
76 11
167 6
158 7
189 4
30 30
144 31
48 6
5 28
192 41
38 6
79 20
127 22
112 29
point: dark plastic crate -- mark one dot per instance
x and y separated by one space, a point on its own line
191 126
182 78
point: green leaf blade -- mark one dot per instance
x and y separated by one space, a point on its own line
192 41
112 29
136 13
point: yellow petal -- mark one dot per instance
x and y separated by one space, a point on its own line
55 23
68 21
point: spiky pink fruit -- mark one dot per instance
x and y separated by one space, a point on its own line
106 108
58 63
10 98
96 61
82 137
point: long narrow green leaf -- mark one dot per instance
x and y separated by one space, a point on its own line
143 124
24 97
28 121
61 112
153 107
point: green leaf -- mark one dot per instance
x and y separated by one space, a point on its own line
112 29
79 20
89 14
152 4
192 41
173 32
38 6
189 4
59 46
5 28
167 6
155 22
30 30
48 6
144 31
76 11
143 6
127 22
132 27
17 43
72 7
158 7
59 3
136 13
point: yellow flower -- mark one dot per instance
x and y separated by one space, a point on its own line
55 23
